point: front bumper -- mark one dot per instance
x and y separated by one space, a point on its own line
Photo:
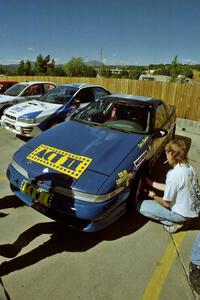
28 130
82 215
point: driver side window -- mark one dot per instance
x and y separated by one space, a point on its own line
161 117
85 96
32 90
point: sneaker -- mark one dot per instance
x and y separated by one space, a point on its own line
194 275
172 228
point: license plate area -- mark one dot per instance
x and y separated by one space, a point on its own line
37 194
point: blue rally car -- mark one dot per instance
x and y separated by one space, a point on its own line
34 116
87 169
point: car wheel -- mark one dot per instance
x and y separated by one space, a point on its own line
136 190
53 123
2 109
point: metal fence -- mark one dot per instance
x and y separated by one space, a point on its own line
186 97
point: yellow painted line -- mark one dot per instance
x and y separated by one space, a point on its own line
159 276
2 178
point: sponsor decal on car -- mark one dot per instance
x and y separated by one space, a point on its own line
143 142
124 177
37 194
140 159
65 162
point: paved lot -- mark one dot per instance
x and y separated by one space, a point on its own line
134 259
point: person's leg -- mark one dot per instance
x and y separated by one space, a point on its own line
194 273
155 211
195 253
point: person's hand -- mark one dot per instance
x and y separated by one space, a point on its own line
151 194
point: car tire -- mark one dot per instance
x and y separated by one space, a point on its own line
53 123
2 109
136 190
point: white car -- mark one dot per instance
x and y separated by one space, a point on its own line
24 91
34 116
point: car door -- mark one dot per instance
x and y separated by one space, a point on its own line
161 122
84 97
34 91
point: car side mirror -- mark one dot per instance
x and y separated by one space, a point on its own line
77 101
158 133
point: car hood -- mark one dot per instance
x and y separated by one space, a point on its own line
102 149
5 98
27 109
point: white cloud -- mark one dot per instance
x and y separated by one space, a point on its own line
30 49
9 61
188 61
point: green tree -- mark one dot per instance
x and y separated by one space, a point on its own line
44 65
21 68
163 70
27 67
135 72
59 71
124 73
174 69
105 72
2 70
77 68
24 68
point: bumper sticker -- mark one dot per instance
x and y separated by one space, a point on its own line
36 193
62 161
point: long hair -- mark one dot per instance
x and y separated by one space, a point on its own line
178 150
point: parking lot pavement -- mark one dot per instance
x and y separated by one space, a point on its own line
134 259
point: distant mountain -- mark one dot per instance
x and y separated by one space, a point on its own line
94 63
11 66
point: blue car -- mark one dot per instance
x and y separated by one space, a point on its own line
87 170
36 115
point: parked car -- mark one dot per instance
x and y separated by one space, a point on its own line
84 170
4 85
24 91
35 116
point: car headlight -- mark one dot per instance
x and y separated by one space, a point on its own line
19 169
26 120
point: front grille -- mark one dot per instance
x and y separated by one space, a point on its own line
27 130
10 117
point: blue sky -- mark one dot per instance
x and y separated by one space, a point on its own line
137 32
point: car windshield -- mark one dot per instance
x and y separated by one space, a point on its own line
117 115
15 90
59 95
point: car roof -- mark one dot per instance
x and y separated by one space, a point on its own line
8 81
35 82
149 101
80 85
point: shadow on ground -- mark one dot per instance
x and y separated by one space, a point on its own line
63 239
10 201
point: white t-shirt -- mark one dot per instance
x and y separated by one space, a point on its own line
179 187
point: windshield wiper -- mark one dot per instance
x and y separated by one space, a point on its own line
83 121
117 129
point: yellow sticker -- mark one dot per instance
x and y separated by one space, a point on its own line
36 193
124 176
62 161
143 142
